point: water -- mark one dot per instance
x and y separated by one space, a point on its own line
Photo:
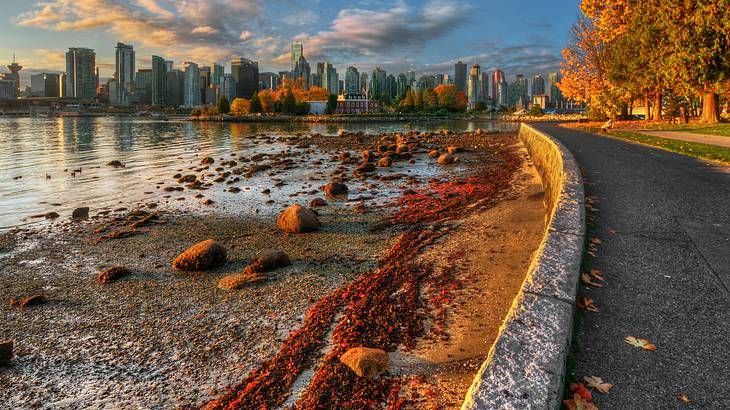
38 157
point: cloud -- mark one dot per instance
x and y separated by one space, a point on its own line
204 30
301 19
245 36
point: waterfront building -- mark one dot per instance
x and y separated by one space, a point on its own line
474 88
427 81
45 85
191 85
352 81
330 79
229 87
142 87
340 87
14 75
402 85
503 98
522 89
538 85
543 101
123 75
206 74
302 71
81 77
364 85
391 87
356 104
175 94
269 80
315 80
484 85
8 88
497 77
377 84
246 74
158 82
556 97
297 52
460 76
169 65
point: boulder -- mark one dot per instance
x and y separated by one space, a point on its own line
80 213
365 362
207 161
32 300
6 352
51 215
434 154
269 261
112 274
115 164
335 188
401 148
203 255
385 162
454 150
446 159
316 202
368 156
239 280
365 168
298 219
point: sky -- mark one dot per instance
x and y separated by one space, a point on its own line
428 36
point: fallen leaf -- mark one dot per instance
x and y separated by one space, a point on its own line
586 278
596 241
593 254
598 274
642 343
580 388
611 232
684 399
578 403
598 384
586 303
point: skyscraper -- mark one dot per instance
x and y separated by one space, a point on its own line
124 74
330 79
302 71
159 81
377 84
402 85
475 86
352 81
14 75
229 87
143 87
246 74
216 82
81 73
484 85
556 97
297 51
175 94
391 87
538 85
503 98
497 77
364 85
191 81
460 76
45 85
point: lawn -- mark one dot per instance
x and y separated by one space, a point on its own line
722 129
692 149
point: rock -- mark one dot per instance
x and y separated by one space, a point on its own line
365 362
187 179
385 162
51 215
446 159
6 352
454 150
269 261
365 168
434 154
208 202
32 300
401 148
368 156
80 213
298 219
112 274
317 202
239 280
335 188
207 161
115 164
203 255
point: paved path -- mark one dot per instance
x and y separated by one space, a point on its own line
667 270
717 140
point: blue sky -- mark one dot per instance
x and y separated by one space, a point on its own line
521 36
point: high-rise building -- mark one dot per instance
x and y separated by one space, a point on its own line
297 51
191 81
302 71
246 74
364 84
169 65
503 98
556 97
269 80
45 85
206 75
159 81
330 78
216 82
391 87
123 76
475 87
402 85
484 85
81 79
497 77
538 85
143 87
522 91
352 81
377 84
14 75
229 87
8 88
175 94
460 76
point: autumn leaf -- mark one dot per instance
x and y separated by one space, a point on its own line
598 384
642 343
578 403
596 241
611 232
580 388
586 278
684 399
586 303
598 274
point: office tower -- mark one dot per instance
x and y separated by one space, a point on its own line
191 88
497 77
175 95
123 75
402 85
206 74
14 75
81 77
297 51
45 85
246 74
352 81
460 76
229 87
269 80
484 86
522 89
377 83
330 79
474 88
556 97
8 89
158 81
340 86
364 85
169 65
391 87
503 98
302 71
538 85
143 86
427 81
216 82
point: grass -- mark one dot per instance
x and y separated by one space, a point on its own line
722 129
692 149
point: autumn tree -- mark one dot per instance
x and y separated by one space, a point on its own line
268 100
256 104
222 106
288 102
240 106
408 102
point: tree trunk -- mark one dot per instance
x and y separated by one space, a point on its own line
624 111
710 108
658 105
647 109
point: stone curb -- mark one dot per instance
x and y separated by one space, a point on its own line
525 367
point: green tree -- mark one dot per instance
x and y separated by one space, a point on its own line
256 106
222 106
430 100
408 102
536 111
331 104
289 103
418 104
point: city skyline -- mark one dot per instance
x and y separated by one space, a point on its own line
530 45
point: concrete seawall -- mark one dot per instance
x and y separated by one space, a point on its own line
525 367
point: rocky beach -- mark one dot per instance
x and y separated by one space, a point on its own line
412 244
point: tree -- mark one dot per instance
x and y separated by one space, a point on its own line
536 111
430 100
268 99
222 106
256 104
446 96
240 106
289 102
331 104
408 103
418 104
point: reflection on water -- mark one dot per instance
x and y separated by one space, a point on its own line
40 157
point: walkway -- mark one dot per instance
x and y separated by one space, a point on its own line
717 140
663 221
